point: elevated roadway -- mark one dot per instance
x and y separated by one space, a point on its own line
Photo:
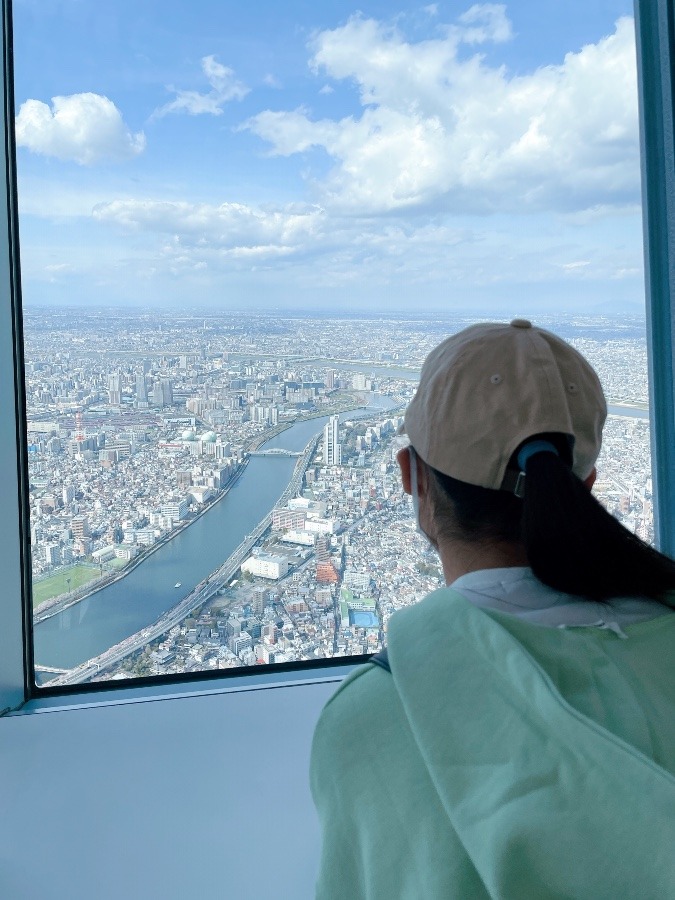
202 592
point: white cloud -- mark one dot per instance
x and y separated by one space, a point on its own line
289 132
45 197
83 128
442 136
183 239
485 22
228 228
627 272
305 251
224 87
578 264
446 132
58 268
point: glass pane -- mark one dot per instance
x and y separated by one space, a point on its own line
243 227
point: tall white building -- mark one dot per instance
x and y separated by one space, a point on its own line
141 390
332 451
115 389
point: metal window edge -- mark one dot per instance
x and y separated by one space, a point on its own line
153 694
15 625
655 44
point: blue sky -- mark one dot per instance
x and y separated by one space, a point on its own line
303 155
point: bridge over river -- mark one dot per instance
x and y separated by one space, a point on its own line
275 451
128 613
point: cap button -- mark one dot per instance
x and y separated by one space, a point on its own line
521 323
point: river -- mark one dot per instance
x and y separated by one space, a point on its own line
402 373
108 616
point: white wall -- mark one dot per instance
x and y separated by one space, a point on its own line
186 797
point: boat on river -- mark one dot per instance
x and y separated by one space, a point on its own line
177 584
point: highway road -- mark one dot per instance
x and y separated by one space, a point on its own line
203 592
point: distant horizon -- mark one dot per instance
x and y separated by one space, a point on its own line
208 312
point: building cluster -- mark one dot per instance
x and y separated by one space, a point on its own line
85 507
126 445
624 483
336 563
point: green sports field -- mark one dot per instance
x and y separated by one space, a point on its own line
58 583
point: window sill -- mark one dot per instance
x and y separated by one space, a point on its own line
258 680
133 793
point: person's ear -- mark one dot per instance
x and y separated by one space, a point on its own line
590 481
403 460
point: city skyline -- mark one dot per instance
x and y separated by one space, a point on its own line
175 435
435 156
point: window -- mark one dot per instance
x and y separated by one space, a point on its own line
240 236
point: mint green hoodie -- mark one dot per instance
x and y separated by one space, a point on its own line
500 759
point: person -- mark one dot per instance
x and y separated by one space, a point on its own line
517 738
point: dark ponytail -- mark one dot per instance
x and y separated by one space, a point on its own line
572 543
576 546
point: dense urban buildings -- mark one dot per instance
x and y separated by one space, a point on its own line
139 424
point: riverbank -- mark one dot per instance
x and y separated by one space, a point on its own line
203 591
56 605
111 615
333 361
642 406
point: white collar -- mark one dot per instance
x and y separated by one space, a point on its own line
517 591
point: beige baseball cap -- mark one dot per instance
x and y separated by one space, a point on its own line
485 390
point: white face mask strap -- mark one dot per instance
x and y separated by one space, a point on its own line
413 487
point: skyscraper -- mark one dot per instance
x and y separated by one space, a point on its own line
115 389
260 596
332 451
162 392
326 572
141 390
167 391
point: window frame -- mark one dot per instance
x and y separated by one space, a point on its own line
16 660
655 40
